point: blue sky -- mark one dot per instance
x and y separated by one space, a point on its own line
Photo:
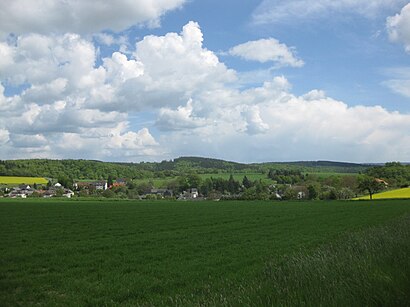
268 80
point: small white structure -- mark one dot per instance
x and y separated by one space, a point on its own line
301 195
190 194
194 193
68 193
58 185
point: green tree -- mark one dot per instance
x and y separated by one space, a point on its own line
246 182
59 192
233 185
312 192
66 182
369 184
290 194
108 193
109 181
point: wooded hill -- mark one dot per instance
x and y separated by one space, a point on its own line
91 169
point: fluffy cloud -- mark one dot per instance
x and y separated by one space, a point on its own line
398 27
281 126
86 16
254 122
55 114
180 119
271 11
72 107
40 59
267 50
175 67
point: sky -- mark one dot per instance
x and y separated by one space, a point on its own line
248 81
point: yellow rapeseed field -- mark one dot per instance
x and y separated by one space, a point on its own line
400 193
9 180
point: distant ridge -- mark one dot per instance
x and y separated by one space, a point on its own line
94 169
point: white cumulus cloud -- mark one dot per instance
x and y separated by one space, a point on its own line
267 50
74 104
179 119
85 16
398 27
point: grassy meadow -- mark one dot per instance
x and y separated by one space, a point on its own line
12 180
399 193
77 253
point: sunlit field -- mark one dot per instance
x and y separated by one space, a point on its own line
10 180
204 253
399 193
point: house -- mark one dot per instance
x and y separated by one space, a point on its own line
99 185
190 194
162 192
91 185
301 195
194 193
49 193
120 182
22 191
17 194
52 192
381 181
24 187
68 193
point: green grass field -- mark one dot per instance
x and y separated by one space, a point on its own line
10 180
111 253
399 193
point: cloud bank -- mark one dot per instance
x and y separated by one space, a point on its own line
398 27
83 17
73 104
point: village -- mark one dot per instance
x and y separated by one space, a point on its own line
93 188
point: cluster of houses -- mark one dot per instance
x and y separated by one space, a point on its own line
25 190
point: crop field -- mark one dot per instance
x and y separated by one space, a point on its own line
110 253
399 193
10 180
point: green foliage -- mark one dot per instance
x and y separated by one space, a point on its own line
246 182
110 180
285 176
312 192
396 174
65 181
97 170
369 184
59 192
108 193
